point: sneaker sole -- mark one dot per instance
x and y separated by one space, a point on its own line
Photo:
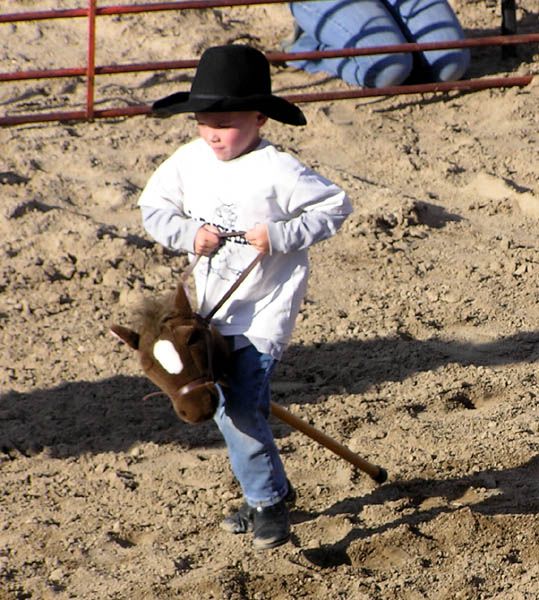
263 545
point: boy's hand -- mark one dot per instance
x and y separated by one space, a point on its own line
259 238
207 240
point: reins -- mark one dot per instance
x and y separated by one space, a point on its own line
200 381
377 473
234 286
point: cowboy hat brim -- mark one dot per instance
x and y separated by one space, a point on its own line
272 106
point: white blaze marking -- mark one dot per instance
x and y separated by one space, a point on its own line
166 354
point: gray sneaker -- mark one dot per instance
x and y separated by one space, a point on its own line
242 521
239 522
271 526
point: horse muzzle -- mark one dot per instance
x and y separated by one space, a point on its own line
196 401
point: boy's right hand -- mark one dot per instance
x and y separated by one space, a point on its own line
207 240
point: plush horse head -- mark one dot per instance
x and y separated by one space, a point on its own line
179 352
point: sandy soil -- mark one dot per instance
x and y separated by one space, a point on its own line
417 346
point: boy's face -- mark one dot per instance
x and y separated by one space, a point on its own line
230 134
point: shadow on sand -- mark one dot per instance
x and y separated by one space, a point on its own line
111 414
517 493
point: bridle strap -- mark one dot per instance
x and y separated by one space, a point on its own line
223 235
209 348
191 267
192 385
233 287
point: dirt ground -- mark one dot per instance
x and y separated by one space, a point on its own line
417 345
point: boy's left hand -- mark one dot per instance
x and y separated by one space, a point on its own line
258 237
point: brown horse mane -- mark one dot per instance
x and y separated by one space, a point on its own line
149 314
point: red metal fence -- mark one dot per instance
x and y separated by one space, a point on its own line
90 70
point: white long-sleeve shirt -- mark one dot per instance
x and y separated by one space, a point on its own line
299 206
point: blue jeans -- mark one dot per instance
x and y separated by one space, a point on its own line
242 419
332 24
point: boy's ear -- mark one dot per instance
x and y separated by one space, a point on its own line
261 119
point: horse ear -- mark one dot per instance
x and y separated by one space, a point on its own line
125 335
181 303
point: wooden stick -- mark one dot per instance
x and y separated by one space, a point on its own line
377 473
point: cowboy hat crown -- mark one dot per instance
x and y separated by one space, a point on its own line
231 78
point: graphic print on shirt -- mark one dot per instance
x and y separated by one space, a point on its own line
226 215
223 264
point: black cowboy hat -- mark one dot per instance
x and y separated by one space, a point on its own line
231 78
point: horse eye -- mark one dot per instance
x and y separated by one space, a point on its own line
194 337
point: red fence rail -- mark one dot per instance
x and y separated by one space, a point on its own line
508 40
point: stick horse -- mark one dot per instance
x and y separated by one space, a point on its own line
185 356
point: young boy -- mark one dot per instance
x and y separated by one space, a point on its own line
231 180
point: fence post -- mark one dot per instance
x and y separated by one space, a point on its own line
90 67
509 25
